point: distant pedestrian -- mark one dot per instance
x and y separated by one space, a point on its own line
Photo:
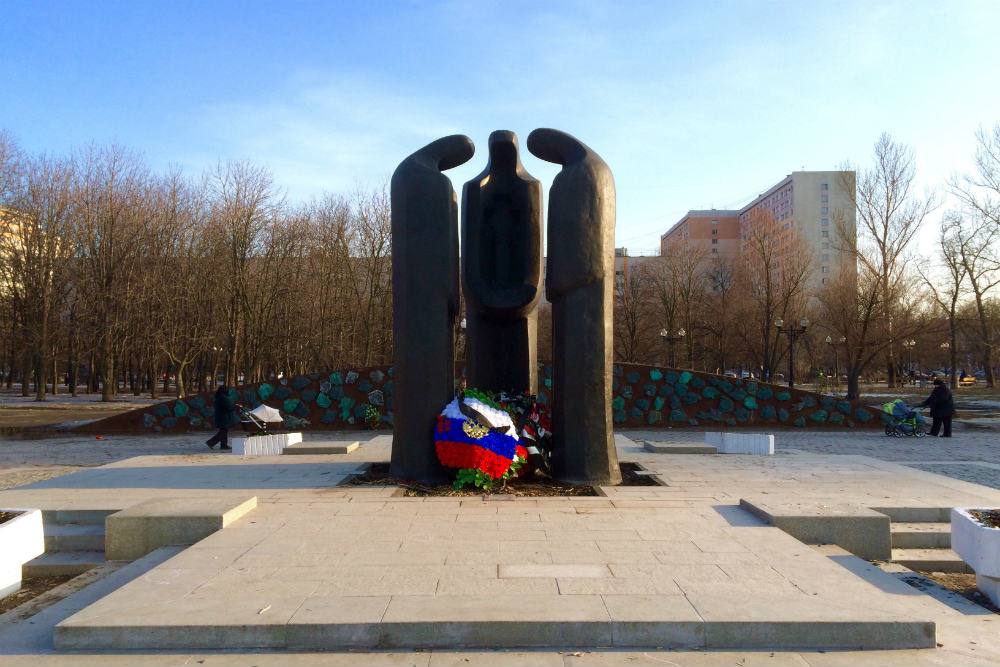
225 418
942 407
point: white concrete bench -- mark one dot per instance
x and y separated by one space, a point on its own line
21 539
741 443
264 445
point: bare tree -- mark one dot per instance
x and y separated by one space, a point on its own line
948 295
977 241
981 191
889 215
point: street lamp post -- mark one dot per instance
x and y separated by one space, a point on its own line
672 340
793 332
836 360
946 349
908 346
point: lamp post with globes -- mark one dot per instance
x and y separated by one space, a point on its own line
793 332
946 349
672 339
908 346
836 359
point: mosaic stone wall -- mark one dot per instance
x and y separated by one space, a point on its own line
643 396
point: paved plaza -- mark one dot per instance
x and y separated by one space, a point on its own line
348 570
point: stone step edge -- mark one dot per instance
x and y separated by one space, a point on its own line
735 634
55 563
930 560
304 448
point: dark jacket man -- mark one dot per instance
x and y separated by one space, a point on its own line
225 418
942 407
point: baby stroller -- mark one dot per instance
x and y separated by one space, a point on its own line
256 421
900 420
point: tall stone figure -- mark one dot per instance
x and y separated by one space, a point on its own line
425 299
502 270
579 282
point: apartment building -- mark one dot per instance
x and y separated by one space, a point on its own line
806 205
715 232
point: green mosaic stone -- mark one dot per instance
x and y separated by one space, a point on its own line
234 395
722 384
548 370
265 391
376 398
542 398
387 388
169 422
655 374
670 377
633 377
764 392
290 404
819 416
681 389
329 417
336 378
685 377
386 419
690 398
627 391
693 422
828 403
742 414
666 390
738 394
309 395
180 409
658 403
376 376
710 392
677 416
148 420
346 404
750 403
336 393
360 411
195 419
250 398
844 406
618 403
299 382
767 412
302 409
654 417
836 418
617 371
730 421
808 401
281 393
351 377
697 383
752 388
799 421
158 428
726 404
614 384
643 404
619 417
783 396
323 401
675 402
208 411
783 415
548 383
364 386
862 415
196 402
635 413
649 389
161 410
314 376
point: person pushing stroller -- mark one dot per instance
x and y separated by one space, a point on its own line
225 418
942 407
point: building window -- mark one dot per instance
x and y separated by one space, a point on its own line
715 232
825 222
823 281
824 269
825 246
715 222
824 210
824 198
715 250
715 241
826 234
824 186
825 257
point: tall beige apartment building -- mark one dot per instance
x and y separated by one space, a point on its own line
804 205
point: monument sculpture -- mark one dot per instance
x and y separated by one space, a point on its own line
502 270
425 297
579 282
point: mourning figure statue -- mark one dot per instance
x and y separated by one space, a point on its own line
502 270
425 296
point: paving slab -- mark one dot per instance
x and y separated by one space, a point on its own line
322 448
679 448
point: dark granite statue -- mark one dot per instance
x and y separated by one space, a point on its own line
579 282
501 270
425 301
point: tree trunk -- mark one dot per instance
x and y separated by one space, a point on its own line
152 380
40 377
852 384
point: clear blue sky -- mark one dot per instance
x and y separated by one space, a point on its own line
692 104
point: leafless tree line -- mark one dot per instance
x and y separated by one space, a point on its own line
113 276
906 309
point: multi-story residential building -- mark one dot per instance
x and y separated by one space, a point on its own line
806 205
715 232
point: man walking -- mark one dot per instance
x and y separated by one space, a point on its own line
942 408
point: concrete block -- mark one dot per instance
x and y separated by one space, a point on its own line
137 530
990 587
862 531
679 448
978 545
264 445
741 443
322 448
21 539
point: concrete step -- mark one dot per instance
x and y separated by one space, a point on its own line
74 537
916 514
680 448
76 516
920 535
930 560
321 448
61 563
